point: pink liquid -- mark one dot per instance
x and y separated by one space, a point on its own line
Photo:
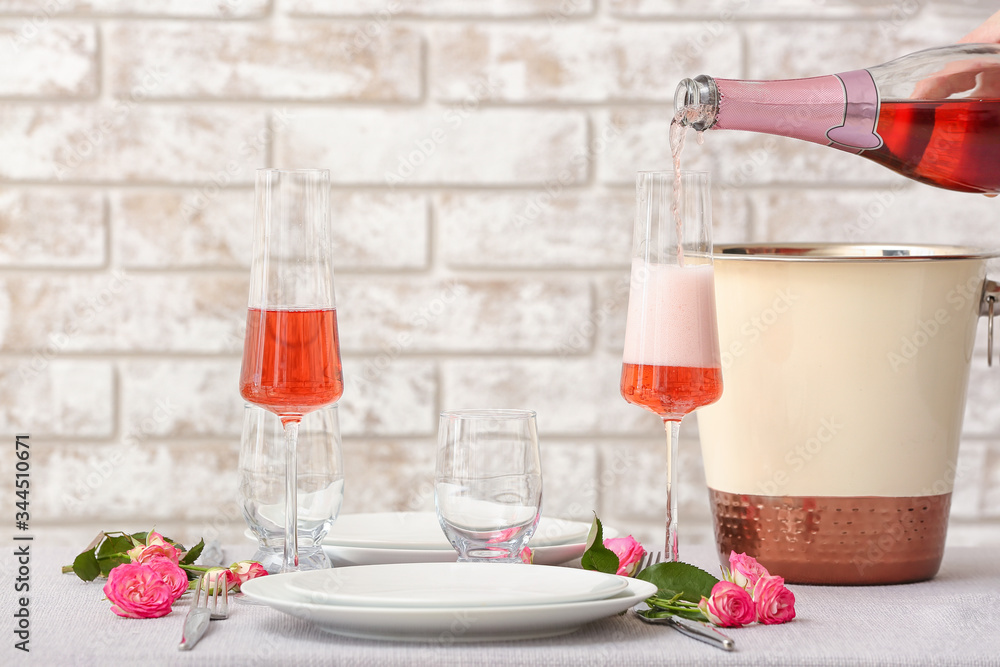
291 361
670 391
952 144
671 316
678 132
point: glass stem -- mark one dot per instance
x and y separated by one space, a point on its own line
673 428
291 559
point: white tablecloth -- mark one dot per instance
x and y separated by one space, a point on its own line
952 620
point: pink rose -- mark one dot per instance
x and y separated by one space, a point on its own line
745 571
172 575
504 535
729 606
527 555
775 603
155 546
136 590
220 576
244 571
629 554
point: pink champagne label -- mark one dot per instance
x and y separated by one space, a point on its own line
838 109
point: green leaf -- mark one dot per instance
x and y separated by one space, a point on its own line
597 556
672 579
109 563
85 565
191 556
114 545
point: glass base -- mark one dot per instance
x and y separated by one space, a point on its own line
471 558
273 557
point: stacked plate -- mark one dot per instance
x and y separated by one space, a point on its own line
416 537
449 602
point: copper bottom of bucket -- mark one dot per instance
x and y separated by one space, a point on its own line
835 540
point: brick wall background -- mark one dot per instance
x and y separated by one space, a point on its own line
482 154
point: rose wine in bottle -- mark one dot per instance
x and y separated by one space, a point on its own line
933 116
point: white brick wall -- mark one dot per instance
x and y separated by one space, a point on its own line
483 156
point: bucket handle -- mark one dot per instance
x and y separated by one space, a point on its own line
988 306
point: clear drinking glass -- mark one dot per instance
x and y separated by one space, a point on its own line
319 484
488 482
291 354
671 363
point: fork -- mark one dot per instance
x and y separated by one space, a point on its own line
696 629
203 611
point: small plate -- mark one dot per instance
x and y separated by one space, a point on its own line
340 556
421 530
444 625
428 585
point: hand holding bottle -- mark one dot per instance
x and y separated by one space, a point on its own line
988 32
960 76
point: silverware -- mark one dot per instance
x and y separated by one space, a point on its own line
696 629
703 632
204 610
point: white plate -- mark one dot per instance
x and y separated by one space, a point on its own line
444 625
340 556
346 556
421 530
428 585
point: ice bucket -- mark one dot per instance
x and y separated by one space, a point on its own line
831 455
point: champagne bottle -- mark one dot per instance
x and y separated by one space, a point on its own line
933 116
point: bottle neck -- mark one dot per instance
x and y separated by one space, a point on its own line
838 109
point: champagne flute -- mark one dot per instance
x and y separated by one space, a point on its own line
671 363
291 354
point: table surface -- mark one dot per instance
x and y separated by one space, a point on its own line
953 620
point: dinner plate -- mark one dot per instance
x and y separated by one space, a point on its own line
341 555
453 585
444 625
421 530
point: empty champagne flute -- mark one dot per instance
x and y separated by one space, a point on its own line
671 363
291 353
488 483
319 488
